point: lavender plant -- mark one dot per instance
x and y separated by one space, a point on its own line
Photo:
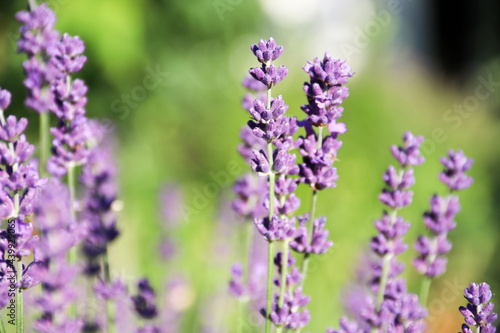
265 199
431 261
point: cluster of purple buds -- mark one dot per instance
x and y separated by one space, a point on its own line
326 91
318 156
266 52
100 193
290 315
58 233
479 311
440 219
318 243
37 36
72 133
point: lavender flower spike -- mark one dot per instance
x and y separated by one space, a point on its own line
479 311
431 261
37 36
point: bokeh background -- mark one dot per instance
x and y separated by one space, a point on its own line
419 66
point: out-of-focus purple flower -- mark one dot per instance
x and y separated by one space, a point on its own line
409 153
171 204
250 143
5 97
455 167
37 36
250 193
98 216
58 234
318 243
144 301
479 311
252 84
66 55
110 291
440 220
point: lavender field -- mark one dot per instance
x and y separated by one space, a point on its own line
140 142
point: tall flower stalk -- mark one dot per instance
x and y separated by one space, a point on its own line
325 93
431 261
269 124
72 133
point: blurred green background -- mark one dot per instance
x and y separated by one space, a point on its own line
186 129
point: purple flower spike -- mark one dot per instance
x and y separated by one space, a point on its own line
479 312
440 220
409 153
267 51
454 175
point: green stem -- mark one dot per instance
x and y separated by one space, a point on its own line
19 299
241 311
110 320
105 264
424 290
44 143
246 254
